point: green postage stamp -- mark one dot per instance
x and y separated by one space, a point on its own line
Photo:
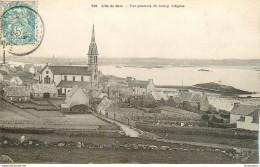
18 22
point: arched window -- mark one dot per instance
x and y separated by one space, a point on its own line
65 78
47 80
73 78
82 78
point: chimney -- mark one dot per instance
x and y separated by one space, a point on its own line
236 104
3 56
150 80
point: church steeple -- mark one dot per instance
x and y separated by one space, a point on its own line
93 35
93 46
93 60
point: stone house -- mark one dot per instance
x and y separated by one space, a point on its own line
16 93
175 102
6 68
141 87
77 96
185 96
250 121
15 80
44 91
240 111
106 106
29 68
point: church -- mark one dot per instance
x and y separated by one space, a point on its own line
65 77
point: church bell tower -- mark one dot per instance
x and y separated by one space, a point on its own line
93 61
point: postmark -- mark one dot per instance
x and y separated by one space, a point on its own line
22 28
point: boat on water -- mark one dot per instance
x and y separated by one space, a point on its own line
205 70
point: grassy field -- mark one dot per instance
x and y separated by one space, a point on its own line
86 119
180 154
236 138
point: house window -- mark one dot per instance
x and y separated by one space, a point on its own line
82 78
73 78
65 78
47 72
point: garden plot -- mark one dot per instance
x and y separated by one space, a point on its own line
179 114
30 105
86 119
45 113
167 113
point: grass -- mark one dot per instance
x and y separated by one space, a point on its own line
54 154
236 138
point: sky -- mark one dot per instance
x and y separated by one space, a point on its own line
203 29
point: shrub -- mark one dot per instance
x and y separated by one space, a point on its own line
79 109
205 117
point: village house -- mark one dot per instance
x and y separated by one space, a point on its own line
65 77
77 96
32 68
15 80
185 96
106 106
190 105
175 102
250 121
6 68
18 68
141 87
204 102
44 91
240 111
16 93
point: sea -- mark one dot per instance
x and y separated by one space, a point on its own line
240 78
247 79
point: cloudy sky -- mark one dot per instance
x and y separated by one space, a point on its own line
205 29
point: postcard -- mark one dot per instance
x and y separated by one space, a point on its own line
129 82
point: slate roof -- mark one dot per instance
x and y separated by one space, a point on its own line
105 104
17 91
137 83
69 70
70 84
27 67
255 115
159 96
177 100
185 96
241 109
196 97
43 88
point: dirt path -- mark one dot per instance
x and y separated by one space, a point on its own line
126 129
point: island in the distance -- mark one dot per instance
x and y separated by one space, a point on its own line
215 87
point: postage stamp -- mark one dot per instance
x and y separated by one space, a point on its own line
18 22
22 28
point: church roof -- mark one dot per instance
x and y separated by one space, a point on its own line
69 70
70 84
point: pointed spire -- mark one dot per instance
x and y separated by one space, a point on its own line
93 35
